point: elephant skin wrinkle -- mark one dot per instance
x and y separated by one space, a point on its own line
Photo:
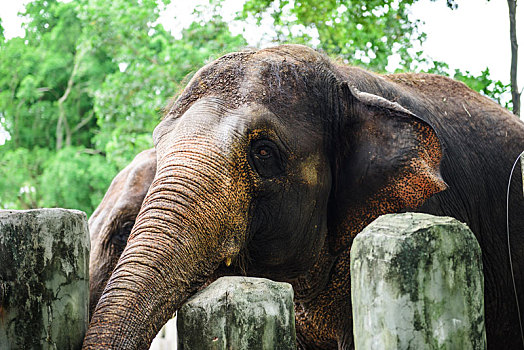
522 167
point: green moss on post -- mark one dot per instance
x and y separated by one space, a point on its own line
238 313
44 279
417 283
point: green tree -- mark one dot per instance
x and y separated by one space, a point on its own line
483 83
129 103
74 178
46 102
81 93
20 171
45 79
361 32
2 37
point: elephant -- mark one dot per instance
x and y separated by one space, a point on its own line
112 221
272 160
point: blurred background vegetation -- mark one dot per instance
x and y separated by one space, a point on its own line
81 93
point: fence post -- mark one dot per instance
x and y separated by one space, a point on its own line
239 313
417 283
44 278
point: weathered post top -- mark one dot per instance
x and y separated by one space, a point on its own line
417 283
239 313
44 278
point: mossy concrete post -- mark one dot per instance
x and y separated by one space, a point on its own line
238 313
417 283
44 279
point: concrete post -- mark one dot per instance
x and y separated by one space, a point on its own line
44 279
238 313
417 283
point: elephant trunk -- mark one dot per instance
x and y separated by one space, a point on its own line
193 218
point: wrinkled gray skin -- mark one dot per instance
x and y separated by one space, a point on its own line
112 221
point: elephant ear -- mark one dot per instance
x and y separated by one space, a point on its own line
387 161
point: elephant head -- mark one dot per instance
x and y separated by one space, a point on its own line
112 221
267 164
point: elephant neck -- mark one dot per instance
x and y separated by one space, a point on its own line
323 297
323 313
310 285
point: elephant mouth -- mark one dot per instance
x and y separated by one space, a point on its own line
306 285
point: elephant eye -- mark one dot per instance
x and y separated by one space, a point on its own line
121 236
265 158
264 152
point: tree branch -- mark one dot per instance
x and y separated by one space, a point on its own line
62 119
84 121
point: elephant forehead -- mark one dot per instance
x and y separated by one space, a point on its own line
207 117
276 79
210 128
196 121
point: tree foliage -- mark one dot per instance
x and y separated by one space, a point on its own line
81 93
2 37
483 83
365 33
361 31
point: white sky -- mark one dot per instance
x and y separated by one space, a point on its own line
473 37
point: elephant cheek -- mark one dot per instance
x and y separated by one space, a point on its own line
102 263
309 170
